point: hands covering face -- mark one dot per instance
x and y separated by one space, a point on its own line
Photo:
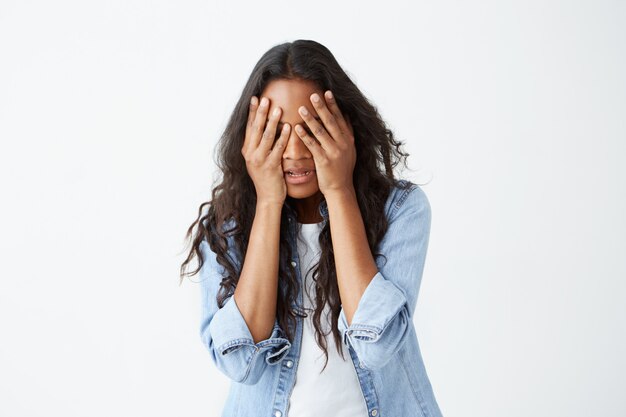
332 143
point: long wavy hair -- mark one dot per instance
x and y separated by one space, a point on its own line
234 198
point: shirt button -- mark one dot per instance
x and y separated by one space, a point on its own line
363 367
289 364
374 412
293 263
278 413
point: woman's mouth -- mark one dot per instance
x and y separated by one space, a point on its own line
299 178
298 175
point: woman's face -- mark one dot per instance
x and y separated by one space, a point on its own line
289 95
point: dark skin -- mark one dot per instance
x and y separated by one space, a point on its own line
328 149
332 146
330 143
287 96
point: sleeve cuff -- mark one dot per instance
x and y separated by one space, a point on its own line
230 333
379 304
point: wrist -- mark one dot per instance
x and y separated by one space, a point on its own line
340 193
269 204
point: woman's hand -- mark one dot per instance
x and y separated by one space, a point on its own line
264 163
335 154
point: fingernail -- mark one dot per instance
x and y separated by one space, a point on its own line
253 100
329 94
264 101
315 98
304 111
276 111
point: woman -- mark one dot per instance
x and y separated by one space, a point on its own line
310 247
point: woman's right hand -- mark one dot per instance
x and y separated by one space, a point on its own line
264 156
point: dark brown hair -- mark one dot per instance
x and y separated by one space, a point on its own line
378 153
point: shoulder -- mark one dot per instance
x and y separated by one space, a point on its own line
408 197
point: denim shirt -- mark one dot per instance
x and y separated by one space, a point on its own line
381 339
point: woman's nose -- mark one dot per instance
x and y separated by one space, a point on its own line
296 149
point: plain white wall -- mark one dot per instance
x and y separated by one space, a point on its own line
512 111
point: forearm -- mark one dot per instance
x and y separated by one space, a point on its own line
354 262
256 290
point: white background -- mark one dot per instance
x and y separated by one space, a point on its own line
513 112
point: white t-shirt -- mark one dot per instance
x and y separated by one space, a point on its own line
336 391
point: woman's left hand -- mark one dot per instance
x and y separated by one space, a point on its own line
335 153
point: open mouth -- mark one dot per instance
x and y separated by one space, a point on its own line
304 174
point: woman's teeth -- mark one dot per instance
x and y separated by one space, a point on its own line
298 175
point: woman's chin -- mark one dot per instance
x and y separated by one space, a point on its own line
302 190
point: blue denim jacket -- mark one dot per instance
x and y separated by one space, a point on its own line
381 338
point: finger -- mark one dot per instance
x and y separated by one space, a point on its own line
310 142
254 104
328 119
258 126
276 154
334 109
318 130
269 135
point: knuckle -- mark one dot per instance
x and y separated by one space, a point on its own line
319 131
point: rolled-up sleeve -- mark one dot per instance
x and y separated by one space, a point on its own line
225 334
384 315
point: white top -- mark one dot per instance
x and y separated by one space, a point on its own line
336 391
